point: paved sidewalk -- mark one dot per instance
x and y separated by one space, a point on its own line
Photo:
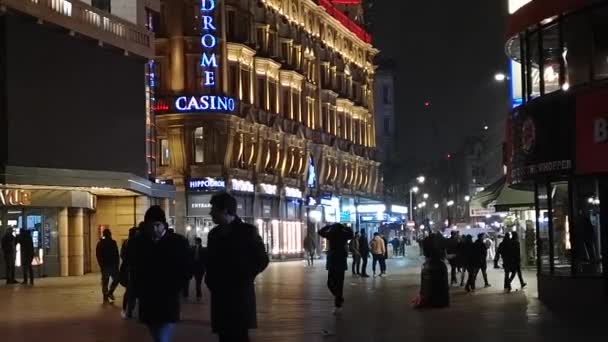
294 305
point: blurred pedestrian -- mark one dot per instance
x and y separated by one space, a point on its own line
108 260
127 276
515 264
161 261
355 249
364 251
338 236
482 253
452 255
311 249
199 266
404 242
463 254
378 253
236 255
9 251
26 250
504 251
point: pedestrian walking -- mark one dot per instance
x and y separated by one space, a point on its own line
9 251
490 247
378 253
451 249
236 255
311 248
515 260
396 246
477 262
482 262
199 266
127 276
462 258
160 260
504 251
404 242
355 249
26 249
108 260
338 236
434 285
364 251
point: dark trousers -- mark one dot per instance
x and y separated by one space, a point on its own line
379 258
507 278
10 267
129 299
453 271
484 273
235 336
356 264
108 272
335 284
310 258
28 270
516 271
198 281
473 271
364 264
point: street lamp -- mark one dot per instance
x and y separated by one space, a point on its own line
450 203
425 196
500 77
467 198
413 190
436 205
421 179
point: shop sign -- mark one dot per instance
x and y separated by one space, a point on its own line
334 202
15 197
399 209
268 189
207 184
371 208
345 216
242 185
198 205
205 103
482 212
592 132
293 192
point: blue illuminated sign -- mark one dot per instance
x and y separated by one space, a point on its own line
207 184
205 103
208 42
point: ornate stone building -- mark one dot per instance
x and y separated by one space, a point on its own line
271 100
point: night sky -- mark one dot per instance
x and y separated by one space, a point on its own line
447 52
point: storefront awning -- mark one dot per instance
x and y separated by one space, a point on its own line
96 182
512 199
481 201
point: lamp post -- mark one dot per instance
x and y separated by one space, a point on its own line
450 204
414 190
467 200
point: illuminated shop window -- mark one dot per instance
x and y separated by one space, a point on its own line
164 152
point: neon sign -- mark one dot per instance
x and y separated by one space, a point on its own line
207 184
208 42
205 103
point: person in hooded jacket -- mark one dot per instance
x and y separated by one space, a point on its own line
108 260
338 236
515 262
160 260
235 256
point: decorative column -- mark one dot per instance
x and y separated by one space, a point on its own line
63 241
76 242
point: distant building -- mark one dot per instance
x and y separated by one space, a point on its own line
384 90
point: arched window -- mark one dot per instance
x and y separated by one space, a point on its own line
199 145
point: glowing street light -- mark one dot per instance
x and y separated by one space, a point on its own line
450 203
415 189
467 198
421 179
436 205
425 196
500 77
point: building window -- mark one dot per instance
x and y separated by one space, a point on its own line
246 85
325 118
386 94
562 247
577 49
600 43
286 110
261 91
199 146
164 152
233 77
104 5
272 93
587 232
387 126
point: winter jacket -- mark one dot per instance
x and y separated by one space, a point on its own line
479 254
107 253
8 245
235 256
160 273
377 246
338 236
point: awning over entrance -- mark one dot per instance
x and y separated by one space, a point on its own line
499 197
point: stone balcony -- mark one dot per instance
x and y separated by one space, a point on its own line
88 21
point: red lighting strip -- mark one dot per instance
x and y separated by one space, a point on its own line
346 2
345 20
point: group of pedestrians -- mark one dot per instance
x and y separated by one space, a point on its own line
509 251
26 255
467 257
158 265
361 249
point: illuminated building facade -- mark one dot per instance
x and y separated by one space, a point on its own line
557 134
73 111
271 101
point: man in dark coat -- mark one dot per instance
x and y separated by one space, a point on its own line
515 262
477 261
199 266
128 272
451 249
9 251
236 255
108 260
26 248
160 261
504 251
364 252
338 236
